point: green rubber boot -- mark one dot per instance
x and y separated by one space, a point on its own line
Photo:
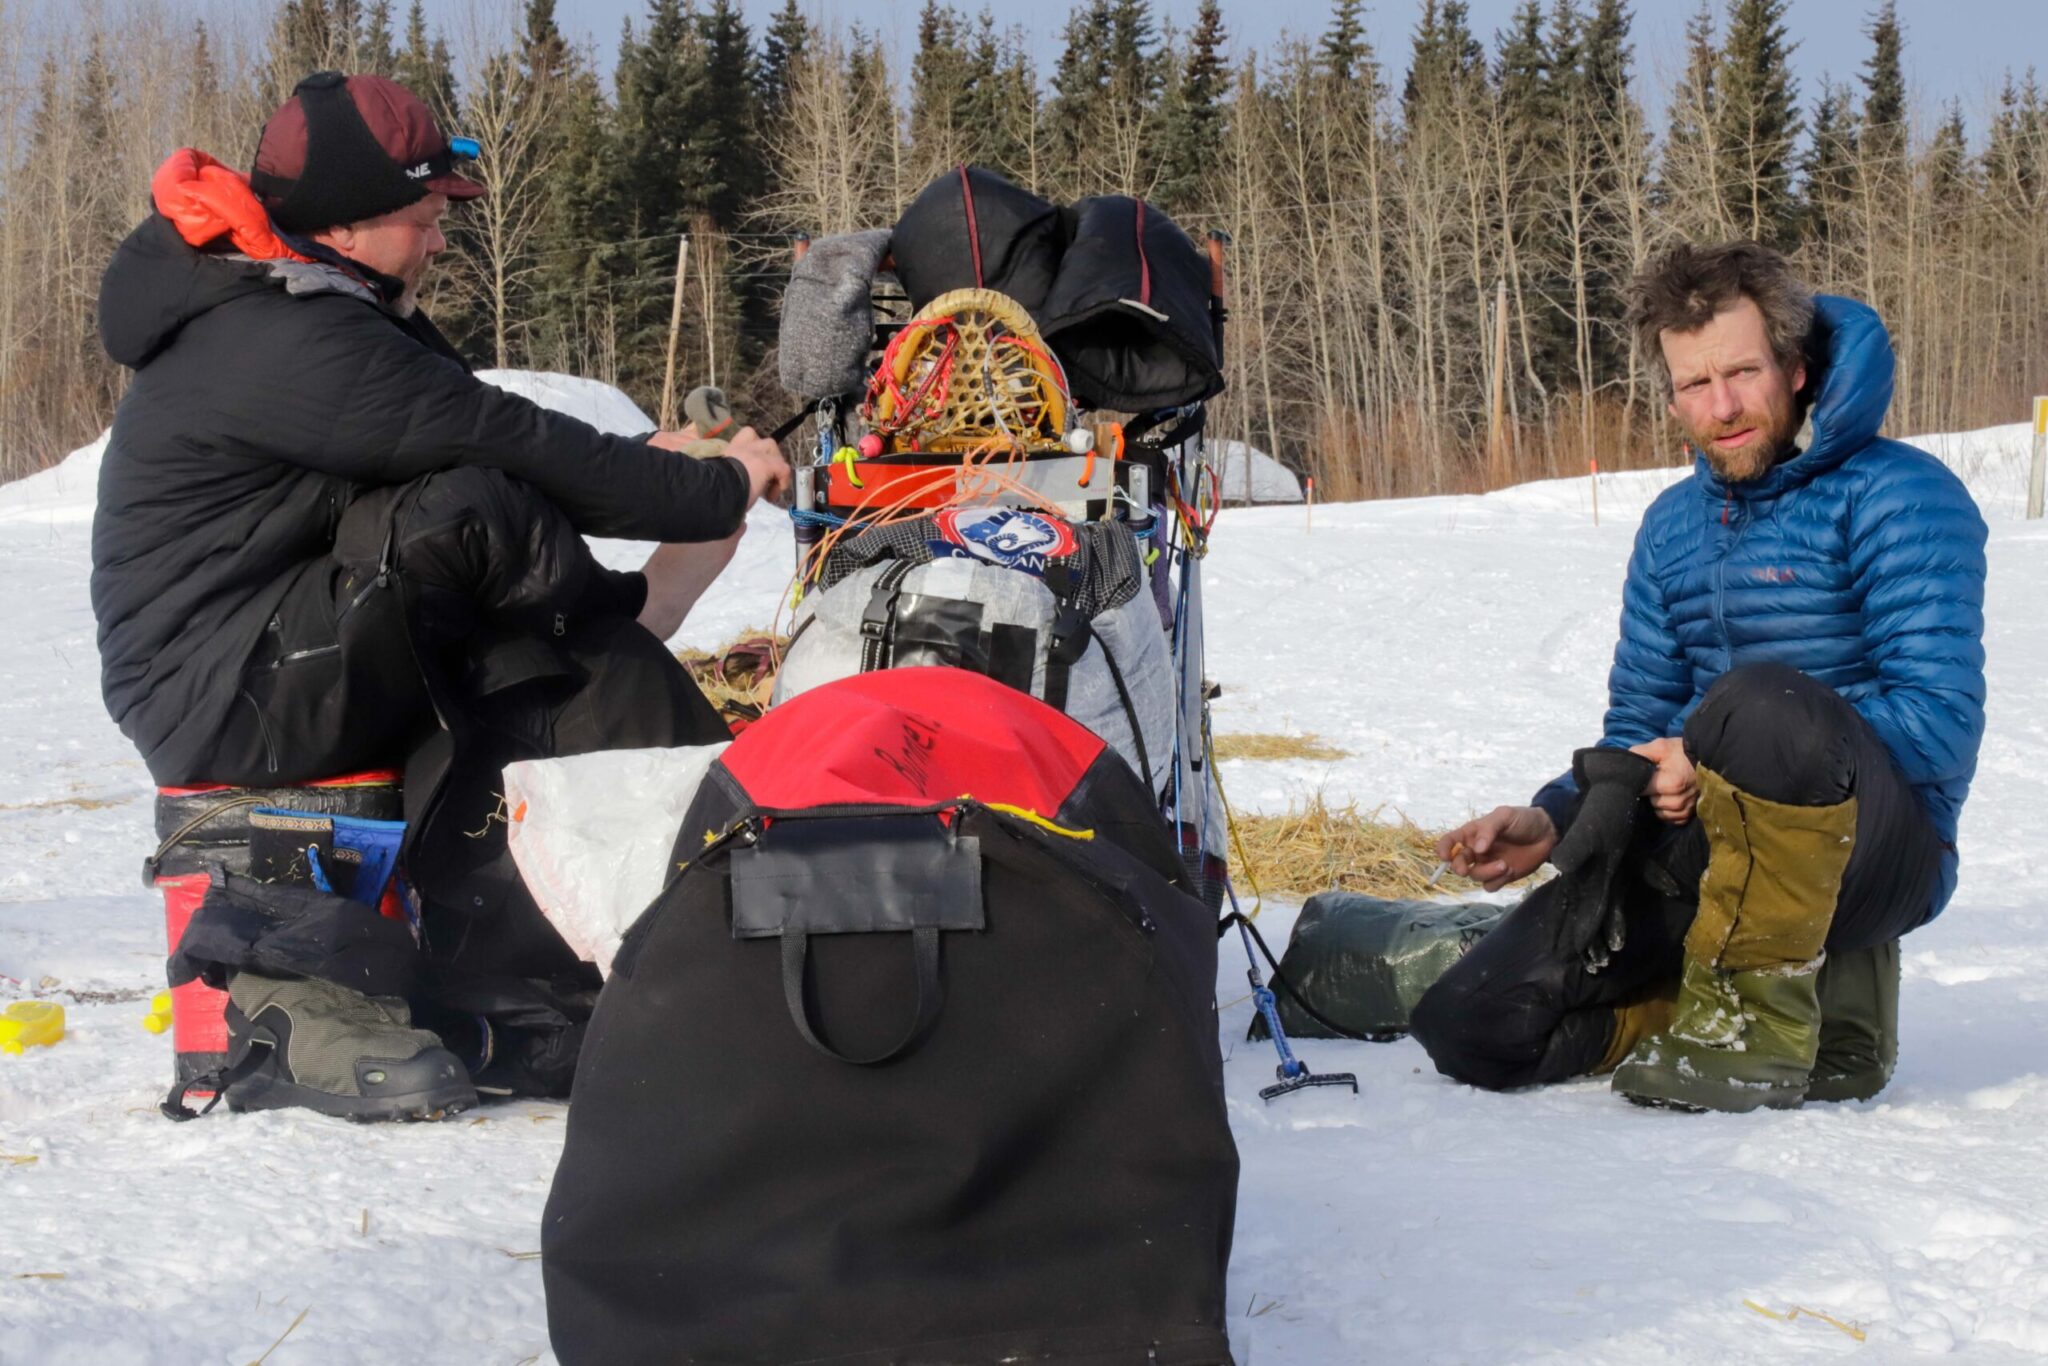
1748 1025
1859 1023
1740 1041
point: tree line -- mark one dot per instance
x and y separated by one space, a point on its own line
1427 249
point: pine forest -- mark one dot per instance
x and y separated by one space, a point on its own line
1427 247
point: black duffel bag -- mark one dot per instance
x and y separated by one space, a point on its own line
888 1074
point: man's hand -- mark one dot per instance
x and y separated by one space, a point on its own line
678 440
1505 845
768 473
1675 788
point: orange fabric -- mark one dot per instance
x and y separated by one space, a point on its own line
206 201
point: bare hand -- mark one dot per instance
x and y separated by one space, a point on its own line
768 473
1505 845
1674 788
676 440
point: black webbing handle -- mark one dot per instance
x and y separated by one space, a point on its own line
924 941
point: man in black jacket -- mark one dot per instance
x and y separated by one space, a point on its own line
323 545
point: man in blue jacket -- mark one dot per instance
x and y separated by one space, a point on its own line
1796 704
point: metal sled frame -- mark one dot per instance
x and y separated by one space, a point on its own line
1160 483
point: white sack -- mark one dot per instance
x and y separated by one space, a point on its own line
592 835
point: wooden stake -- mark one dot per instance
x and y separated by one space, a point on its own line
675 325
1496 430
2037 476
1593 471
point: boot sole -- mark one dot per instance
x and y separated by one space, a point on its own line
430 1103
1662 1088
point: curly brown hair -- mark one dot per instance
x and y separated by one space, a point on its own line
1683 289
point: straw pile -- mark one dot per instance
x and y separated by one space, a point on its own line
1323 848
1274 747
739 676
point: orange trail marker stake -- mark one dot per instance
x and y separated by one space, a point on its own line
1308 508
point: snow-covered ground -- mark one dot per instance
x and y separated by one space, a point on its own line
1456 647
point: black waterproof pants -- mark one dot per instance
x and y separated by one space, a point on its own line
1512 1013
459 624
447 592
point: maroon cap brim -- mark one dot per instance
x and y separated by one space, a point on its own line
456 187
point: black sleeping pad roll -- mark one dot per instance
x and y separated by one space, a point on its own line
972 229
1128 312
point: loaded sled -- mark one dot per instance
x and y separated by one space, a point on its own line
974 496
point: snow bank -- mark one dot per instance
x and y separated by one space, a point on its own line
64 493
590 400
1271 481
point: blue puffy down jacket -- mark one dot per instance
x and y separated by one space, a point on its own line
1859 561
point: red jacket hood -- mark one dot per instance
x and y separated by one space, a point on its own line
205 201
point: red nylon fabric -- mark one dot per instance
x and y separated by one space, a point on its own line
912 737
206 201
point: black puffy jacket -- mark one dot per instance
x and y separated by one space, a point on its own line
265 395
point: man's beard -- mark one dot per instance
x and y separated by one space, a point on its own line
1776 428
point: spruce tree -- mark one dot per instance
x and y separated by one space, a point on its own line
423 65
375 54
1828 171
1446 65
1948 164
1758 122
1080 82
1192 122
782 47
1533 80
724 139
1002 111
1689 170
1884 97
941 91
1344 45
1605 102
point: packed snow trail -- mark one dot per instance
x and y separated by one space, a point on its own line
1457 648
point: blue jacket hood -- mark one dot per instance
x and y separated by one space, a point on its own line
1853 354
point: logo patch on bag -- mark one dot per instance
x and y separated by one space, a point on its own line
1008 537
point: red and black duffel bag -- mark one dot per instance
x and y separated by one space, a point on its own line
914 1060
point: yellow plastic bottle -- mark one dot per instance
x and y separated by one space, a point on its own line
159 1017
27 1024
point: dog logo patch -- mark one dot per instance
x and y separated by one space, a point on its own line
1008 537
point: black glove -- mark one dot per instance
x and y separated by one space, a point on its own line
1588 859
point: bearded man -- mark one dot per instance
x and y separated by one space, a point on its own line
1795 708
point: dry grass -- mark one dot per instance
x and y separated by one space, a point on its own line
1322 848
739 676
1274 747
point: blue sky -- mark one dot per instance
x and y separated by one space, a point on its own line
1953 47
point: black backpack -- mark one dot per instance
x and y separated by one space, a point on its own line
914 1061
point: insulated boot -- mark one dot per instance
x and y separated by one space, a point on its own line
317 1046
1859 1023
1636 1021
1747 1028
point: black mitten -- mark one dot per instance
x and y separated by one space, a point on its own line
1588 859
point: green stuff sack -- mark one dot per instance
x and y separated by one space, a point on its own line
1363 961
